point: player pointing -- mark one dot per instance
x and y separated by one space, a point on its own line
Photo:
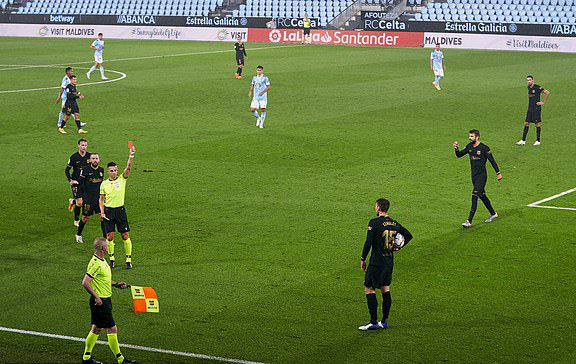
437 65
260 86
98 46
479 153
534 113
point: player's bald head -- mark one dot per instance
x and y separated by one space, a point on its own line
100 244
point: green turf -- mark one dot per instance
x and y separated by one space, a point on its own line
252 237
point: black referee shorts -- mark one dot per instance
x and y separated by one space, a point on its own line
101 315
479 183
306 31
378 276
116 220
534 114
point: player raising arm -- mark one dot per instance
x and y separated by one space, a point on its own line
112 211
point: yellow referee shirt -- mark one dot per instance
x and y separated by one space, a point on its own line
114 192
306 23
101 274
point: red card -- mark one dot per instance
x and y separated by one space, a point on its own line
130 144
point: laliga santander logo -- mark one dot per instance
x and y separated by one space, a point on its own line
275 36
326 38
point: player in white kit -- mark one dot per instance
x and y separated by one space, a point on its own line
260 86
437 65
98 46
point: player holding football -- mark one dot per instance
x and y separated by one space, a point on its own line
534 113
437 65
382 232
89 183
98 46
76 162
112 211
240 54
260 86
479 153
71 106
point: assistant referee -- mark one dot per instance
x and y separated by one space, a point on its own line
112 211
98 282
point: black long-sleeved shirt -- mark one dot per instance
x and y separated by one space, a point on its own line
72 94
76 163
89 182
240 50
380 239
534 94
478 156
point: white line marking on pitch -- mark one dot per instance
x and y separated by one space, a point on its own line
20 66
122 76
537 203
136 347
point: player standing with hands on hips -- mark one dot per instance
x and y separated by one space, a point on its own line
112 211
534 113
98 46
479 153
260 86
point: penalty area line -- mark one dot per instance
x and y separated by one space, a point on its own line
130 346
537 203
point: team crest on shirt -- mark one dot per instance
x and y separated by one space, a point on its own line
533 91
117 184
478 152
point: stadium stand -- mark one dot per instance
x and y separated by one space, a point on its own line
509 11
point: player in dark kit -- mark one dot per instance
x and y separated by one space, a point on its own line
382 232
71 106
240 54
76 162
89 183
478 153
534 113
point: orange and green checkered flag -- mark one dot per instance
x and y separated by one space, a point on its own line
145 299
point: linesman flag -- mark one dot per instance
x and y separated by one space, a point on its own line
145 299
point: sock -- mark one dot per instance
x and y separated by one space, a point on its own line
89 345
63 124
128 250
386 304
102 71
255 113
439 79
240 71
81 227
488 205
262 117
436 79
92 69
115 347
60 118
538 129
473 208
525 133
78 123
372 307
111 249
76 213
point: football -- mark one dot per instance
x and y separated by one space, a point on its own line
399 240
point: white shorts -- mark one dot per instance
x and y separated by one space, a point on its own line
98 58
439 72
255 104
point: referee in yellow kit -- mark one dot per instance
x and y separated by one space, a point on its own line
112 211
306 34
98 282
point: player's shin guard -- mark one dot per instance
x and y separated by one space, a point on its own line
102 71
76 213
372 307
524 133
488 204
255 113
128 250
115 347
538 130
111 249
473 207
262 117
89 345
386 304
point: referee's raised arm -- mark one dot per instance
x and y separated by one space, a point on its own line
126 172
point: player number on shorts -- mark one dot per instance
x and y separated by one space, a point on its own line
388 236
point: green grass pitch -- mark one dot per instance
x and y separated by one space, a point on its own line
252 237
